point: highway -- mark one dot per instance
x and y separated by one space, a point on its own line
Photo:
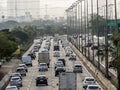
102 62
29 81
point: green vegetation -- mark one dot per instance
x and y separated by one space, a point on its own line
7 45
116 57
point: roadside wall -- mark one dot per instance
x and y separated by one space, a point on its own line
105 83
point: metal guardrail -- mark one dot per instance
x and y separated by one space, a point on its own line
5 79
107 84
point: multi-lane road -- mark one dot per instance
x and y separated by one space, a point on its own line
29 82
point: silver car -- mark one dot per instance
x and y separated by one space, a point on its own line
16 74
88 81
56 54
16 81
77 68
21 70
11 88
93 87
43 67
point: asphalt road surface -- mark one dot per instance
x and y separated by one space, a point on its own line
29 81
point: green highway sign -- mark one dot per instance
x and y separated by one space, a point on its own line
112 22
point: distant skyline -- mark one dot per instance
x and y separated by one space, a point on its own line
53 8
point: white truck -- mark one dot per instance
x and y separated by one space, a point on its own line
67 81
27 60
56 37
43 57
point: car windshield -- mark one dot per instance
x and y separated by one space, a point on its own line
78 66
19 70
42 64
90 79
59 69
60 62
93 87
15 78
41 78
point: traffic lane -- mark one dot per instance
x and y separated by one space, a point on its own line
80 76
102 62
29 82
69 67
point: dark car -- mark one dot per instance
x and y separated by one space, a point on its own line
32 55
100 52
41 79
94 46
63 60
59 70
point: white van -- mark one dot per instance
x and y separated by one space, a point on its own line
27 60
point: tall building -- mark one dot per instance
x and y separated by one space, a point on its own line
17 8
11 8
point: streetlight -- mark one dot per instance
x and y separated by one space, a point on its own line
92 30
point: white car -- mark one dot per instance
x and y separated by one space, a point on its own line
59 64
16 81
93 87
16 74
11 88
43 67
88 81
45 50
77 68
56 54
72 57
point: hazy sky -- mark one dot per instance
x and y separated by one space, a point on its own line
52 7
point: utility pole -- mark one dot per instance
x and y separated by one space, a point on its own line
81 29
98 34
79 26
16 9
85 26
106 41
46 12
92 30
88 32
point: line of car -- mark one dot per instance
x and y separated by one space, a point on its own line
16 79
89 83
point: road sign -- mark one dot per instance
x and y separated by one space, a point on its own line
112 23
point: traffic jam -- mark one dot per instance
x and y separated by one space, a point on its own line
51 59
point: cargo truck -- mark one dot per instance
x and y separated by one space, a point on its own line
43 57
67 81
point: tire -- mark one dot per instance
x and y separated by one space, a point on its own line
21 85
46 84
25 75
36 84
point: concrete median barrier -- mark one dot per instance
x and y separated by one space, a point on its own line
104 82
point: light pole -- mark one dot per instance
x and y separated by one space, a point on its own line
92 30
98 33
85 26
106 42
81 29
88 32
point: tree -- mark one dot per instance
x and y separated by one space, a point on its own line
7 46
116 57
101 24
